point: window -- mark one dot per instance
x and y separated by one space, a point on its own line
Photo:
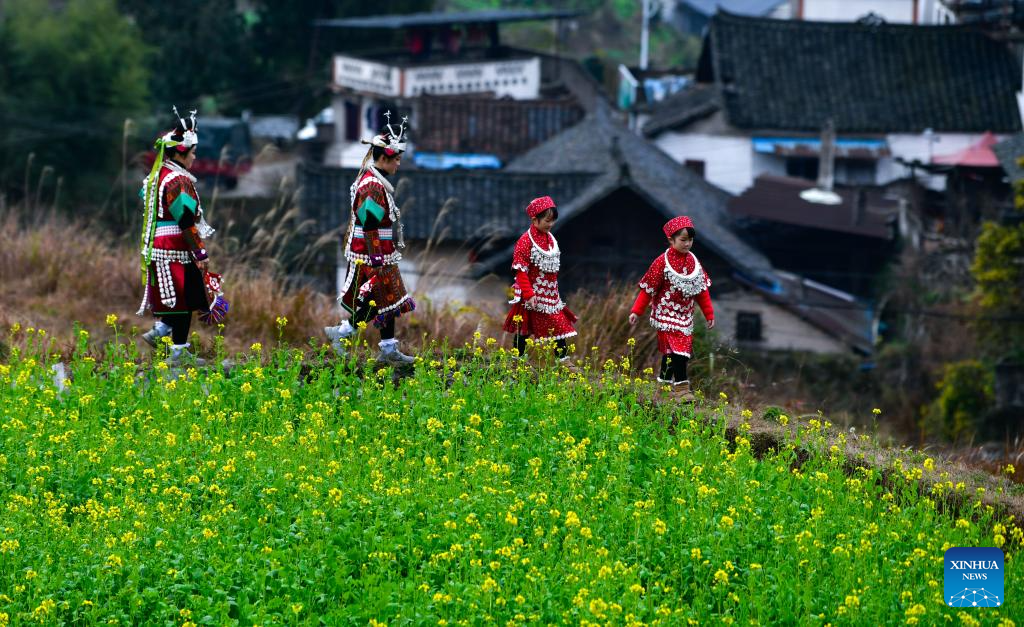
855 171
696 165
748 326
351 121
802 167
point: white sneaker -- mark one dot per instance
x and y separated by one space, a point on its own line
389 354
180 356
336 334
160 330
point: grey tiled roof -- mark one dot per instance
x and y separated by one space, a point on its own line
682 108
458 205
601 146
794 75
504 128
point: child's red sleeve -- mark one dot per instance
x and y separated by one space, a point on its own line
704 301
523 282
640 304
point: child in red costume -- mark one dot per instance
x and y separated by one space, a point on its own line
537 309
673 282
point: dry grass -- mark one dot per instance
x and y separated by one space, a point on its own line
55 273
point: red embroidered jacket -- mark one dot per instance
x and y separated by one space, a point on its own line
371 239
673 283
178 215
536 260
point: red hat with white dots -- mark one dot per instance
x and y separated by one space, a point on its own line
539 205
675 224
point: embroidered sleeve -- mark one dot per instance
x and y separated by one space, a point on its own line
523 283
182 203
371 206
521 255
653 278
370 210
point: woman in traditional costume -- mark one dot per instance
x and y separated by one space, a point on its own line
373 288
174 256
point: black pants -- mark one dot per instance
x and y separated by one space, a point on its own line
366 314
561 346
180 324
673 368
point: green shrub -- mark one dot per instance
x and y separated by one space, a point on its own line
966 393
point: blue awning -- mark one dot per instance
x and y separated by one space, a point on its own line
449 160
846 148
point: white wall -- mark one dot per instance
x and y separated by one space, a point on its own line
918 146
731 163
934 12
728 159
851 10
781 329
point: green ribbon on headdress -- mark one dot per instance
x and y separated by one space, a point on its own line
150 201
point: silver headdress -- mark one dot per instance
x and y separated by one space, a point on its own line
189 136
393 142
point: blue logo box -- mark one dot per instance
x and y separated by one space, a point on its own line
974 577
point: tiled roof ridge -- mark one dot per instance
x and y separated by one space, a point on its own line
793 24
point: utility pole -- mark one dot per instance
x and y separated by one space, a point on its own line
645 31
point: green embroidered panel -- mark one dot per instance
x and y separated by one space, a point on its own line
181 203
369 206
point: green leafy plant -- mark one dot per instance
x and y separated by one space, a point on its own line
965 395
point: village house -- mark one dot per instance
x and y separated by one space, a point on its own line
472 101
765 88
